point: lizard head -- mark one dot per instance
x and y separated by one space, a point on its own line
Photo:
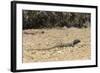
76 41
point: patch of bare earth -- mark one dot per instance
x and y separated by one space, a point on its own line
37 41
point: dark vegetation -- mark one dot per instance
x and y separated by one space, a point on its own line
50 19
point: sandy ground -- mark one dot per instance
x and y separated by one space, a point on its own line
37 41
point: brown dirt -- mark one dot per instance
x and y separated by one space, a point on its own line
35 41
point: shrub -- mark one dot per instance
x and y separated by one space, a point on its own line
49 19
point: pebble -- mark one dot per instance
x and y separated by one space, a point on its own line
59 52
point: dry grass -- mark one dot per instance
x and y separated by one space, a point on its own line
35 41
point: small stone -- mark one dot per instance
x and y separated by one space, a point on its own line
42 32
59 52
